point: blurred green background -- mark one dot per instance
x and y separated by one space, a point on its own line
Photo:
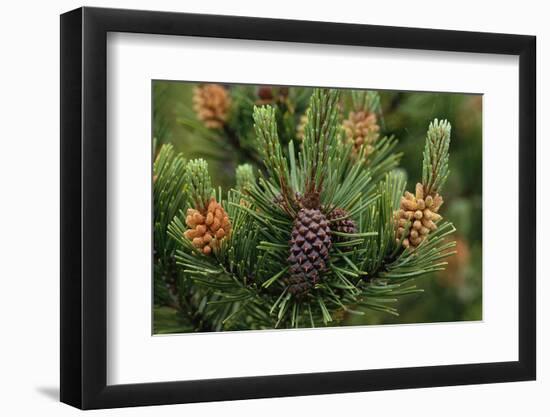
451 295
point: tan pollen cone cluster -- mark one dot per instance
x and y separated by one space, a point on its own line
211 102
417 216
362 128
206 230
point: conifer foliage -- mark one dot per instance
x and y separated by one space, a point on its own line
315 228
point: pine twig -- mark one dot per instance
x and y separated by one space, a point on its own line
435 166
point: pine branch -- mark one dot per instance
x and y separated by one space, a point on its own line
274 159
382 247
199 183
319 135
168 191
435 166
168 198
362 131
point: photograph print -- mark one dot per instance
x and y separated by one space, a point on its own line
291 207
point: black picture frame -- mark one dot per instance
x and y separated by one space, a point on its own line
84 207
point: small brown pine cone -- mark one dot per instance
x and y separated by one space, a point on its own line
419 214
211 104
309 247
361 129
268 94
265 95
341 222
208 229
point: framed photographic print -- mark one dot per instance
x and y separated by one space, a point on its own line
257 208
